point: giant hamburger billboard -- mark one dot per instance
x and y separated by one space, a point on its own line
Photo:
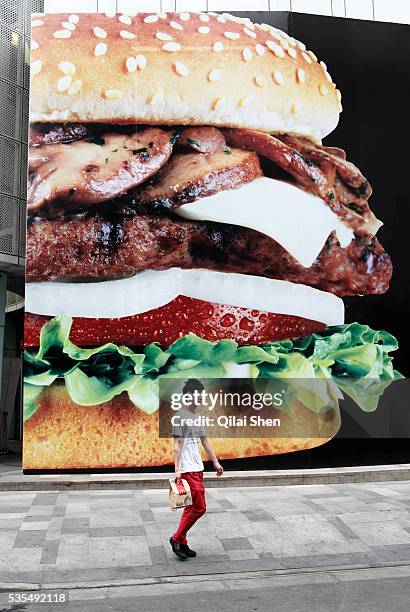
185 220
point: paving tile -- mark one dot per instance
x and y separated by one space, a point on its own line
146 515
118 551
13 509
34 525
59 511
73 552
44 499
50 552
236 544
157 554
122 530
257 515
76 525
239 555
29 539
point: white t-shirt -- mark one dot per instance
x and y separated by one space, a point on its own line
190 460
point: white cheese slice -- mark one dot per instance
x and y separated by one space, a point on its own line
299 221
152 289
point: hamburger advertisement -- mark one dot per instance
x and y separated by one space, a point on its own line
186 222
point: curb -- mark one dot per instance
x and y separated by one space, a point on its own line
255 478
177 578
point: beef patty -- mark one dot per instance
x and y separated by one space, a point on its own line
104 248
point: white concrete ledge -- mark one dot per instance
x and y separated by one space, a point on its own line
17 481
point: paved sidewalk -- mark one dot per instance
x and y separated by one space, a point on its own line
119 537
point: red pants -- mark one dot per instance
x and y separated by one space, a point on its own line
192 513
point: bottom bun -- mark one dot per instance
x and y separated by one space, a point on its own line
64 435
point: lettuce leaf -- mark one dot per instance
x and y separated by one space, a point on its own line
352 358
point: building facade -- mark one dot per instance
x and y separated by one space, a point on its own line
14 94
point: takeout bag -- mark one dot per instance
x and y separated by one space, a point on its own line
179 494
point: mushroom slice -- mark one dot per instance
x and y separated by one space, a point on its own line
95 170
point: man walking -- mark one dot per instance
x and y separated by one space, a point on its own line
189 466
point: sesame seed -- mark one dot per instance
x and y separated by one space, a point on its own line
231 35
163 36
181 69
67 68
265 27
218 46
324 90
249 32
151 19
113 94
171 47
214 75
131 64
339 95
245 102
221 19
99 32
327 75
218 103
260 50
247 54
301 45
127 35
74 88
64 83
110 15
260 80
313 56
62 34
203 30
141 61
36 23
323 65
34 44
291 51
162 15
296 108
184 16
73 19
100 49
278 77
35 68
274 34
68 26
306 57
276 49
126 19
176 25
300 75
204 17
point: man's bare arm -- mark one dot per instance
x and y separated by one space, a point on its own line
177 456
211 454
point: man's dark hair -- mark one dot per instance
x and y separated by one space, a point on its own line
192 385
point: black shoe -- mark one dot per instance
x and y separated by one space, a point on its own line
177 548
185 549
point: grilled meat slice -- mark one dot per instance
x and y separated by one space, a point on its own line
189 176
322 171
202 139
44 134
88 172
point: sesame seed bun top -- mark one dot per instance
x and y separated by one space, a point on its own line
178 68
